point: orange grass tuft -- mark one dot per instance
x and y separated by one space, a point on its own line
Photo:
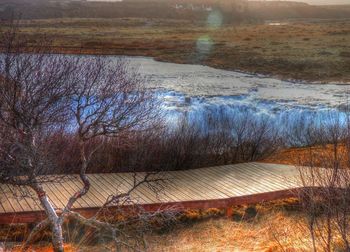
67 248
298 156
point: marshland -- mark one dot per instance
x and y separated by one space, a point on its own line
118 120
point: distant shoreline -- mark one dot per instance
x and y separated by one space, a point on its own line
106 52
300 50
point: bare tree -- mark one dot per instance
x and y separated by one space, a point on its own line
92 99
325 174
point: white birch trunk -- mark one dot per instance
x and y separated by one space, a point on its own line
56 227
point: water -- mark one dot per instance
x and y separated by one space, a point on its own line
193 89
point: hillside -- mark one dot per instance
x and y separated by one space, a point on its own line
235 11
286 10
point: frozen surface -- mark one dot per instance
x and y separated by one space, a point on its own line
209 83
195 89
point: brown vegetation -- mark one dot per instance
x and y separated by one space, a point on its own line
211 141
305 50
270 226
325 174
233 10
298 155
252 228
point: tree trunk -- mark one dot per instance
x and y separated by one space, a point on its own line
56 225
57 236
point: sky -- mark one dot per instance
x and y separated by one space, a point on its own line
306 1
324 1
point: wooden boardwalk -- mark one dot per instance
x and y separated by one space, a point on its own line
214 187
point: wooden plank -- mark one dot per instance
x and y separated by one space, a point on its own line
20 198
99 198
10 204
27 197
254 179
281 172
188 187
114 186
3 202
272 176
32 199
173 193
214 185
261 179
201 182
95 181
234 183
176 191
68 189
2 209
276 177
206 184
61 191
195 186
144 195
60 187
101 184
222 184
51 194
251 182
168 192
87 198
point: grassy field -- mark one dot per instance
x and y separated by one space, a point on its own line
305 50
201 231
269 227
276 227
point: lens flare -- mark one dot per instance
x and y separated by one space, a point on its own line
215 19
204 45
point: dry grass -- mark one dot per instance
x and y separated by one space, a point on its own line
273 226
44 248
308 50
302 155
271 233
276 226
